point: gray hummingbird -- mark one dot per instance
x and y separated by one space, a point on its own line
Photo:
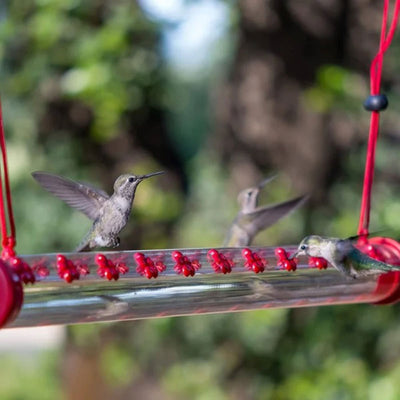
343 256
109 214
252 219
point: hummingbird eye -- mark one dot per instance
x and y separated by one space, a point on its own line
303 247
131 179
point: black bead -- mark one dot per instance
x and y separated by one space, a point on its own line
379 102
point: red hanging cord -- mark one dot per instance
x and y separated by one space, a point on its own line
8 241
375 83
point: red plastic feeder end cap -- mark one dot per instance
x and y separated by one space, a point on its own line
386 250
11 294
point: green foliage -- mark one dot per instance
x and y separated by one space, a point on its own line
335 88
118 366
195 380
210 209
96 60
74 75
30 376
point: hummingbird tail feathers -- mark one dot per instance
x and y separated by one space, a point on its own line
84 246
388 267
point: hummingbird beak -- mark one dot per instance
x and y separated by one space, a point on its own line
141 177
265 181
294 255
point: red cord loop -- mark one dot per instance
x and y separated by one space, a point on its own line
8 244
375 83
8 241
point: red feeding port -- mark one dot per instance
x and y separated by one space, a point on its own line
83 269
318 262
147 267
22 269
66 269
284 261
219 262
41 270
253 261
183 265
108 269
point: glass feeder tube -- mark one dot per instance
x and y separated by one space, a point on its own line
92 298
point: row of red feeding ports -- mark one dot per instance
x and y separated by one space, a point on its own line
146 266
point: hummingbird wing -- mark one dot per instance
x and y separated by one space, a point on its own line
368 235
83 197
263 217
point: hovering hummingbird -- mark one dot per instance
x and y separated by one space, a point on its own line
343 256
110 214
252 219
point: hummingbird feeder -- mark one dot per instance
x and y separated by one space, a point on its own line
47 289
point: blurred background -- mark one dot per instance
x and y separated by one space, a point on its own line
219 94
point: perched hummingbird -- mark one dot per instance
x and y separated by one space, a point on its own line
252 219
343 256
110 214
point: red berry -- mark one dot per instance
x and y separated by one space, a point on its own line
246 253
213 254
176 255
42 271
280 252
16 262
226 269
139 257
61 258
185 270
67 276
108 274
24 277
101 259
321 263
195 264
318 262
83 269
122 268
254 267
160 266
